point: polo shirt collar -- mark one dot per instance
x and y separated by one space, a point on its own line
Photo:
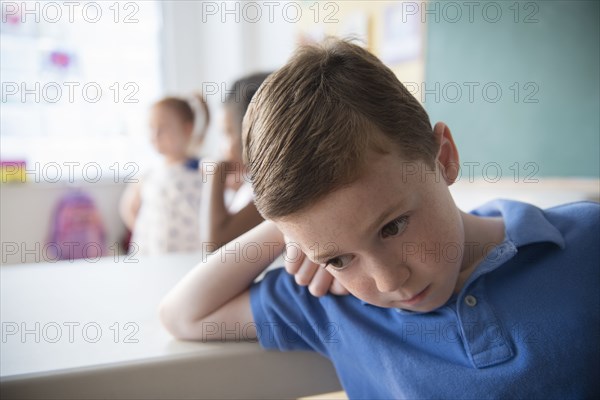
524 223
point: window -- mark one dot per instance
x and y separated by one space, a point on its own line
77 82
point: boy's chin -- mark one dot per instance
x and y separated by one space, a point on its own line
428 305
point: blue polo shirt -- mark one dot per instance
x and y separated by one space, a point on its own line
526 324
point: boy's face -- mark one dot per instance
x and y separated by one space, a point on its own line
395 237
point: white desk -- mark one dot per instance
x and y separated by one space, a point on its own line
90 330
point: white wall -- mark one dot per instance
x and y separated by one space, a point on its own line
214 53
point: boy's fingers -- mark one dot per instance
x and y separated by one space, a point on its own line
337 288
320 283
306 272
293 265
293 257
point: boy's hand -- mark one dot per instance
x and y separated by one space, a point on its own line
306 272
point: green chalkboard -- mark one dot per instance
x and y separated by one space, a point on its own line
517 83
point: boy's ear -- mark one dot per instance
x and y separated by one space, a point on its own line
447 157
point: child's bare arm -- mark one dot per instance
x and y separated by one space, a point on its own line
219 226
215 295
130 203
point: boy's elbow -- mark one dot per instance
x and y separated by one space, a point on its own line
167 319
175 324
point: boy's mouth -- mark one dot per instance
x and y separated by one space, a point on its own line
417 297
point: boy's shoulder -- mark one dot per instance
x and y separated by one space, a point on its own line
578 222
584 212
526 221
563 236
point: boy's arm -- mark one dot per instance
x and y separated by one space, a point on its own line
219 225
214 295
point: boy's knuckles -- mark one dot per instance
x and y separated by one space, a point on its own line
292 267
317 291
300 280
320 283
305 273
293 257
305 279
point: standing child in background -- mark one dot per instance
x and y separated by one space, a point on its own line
162 210
228 209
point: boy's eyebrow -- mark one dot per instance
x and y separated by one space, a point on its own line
390 211
326 255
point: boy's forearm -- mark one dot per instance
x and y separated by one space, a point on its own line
223 276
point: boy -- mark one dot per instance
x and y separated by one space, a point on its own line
501 302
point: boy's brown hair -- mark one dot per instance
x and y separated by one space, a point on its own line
311 123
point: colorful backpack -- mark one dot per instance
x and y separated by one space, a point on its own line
76 230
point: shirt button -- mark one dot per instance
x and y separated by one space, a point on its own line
471 301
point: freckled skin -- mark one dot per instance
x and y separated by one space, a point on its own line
427 253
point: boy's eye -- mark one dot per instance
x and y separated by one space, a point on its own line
338 263
394 228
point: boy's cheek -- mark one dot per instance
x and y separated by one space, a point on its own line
358 287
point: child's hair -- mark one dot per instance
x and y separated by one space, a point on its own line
307 132
193 110
240 96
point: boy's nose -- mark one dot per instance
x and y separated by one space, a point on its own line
389 275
